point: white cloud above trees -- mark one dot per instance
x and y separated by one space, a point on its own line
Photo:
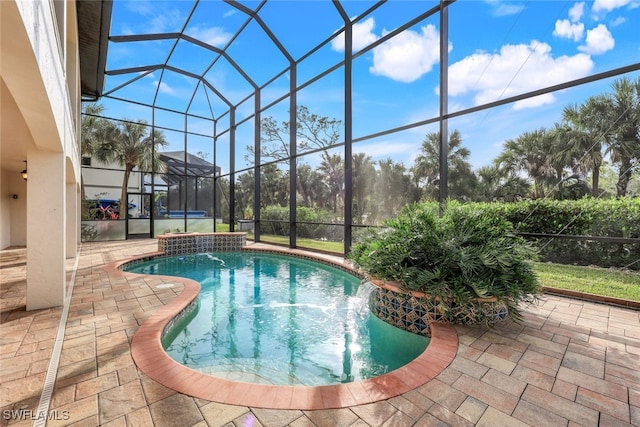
567 29
214 36
598 41
609 5
514 70
576 12
571 28
363 36
407 56
490 76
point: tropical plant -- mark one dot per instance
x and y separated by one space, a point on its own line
459 257
129 144
426 170
530 152
92 132
332 167
312 132
245 193
623 136
274 186
495 184
586 132
393 189
363 177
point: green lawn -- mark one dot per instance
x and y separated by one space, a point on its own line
314 244
591 280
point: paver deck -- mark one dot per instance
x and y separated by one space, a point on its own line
569 362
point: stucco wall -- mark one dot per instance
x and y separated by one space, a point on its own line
13 212
33 66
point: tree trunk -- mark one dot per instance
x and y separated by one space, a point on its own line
595 181
624 175
559 177
303 193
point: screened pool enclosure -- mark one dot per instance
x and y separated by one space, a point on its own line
302 122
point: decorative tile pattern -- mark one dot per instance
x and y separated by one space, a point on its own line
414 314
195 243
405 311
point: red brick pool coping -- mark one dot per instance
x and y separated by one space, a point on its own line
150 357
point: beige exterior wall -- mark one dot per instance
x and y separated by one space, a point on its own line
104 181
40 118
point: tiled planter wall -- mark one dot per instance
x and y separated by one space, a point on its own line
404 311
414 311
194 243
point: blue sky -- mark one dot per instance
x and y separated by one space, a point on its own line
497 49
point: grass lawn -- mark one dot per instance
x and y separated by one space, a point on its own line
314 244
591 280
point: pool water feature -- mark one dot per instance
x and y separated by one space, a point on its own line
283 320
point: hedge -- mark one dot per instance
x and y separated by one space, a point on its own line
584 217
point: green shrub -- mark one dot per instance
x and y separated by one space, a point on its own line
584 217
459 257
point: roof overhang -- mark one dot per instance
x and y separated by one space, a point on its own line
94 23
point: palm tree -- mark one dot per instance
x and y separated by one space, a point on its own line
332 167
585 132
530 152
490 180
244 194
394 189
130 145
306 179
364 175
274 190
623 137
495 184
561 156
92 131
426 169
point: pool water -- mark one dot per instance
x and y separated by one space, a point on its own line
275 319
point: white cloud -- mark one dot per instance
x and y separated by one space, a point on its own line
571 28
504 9
599 40
229 13
566 29
609 5
618 21
164 88
576 12
214 36
157 17
516 69
408 55
536 101
508 9
405 57
363 36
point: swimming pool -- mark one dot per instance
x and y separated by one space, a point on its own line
275 319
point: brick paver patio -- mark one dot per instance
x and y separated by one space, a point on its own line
569 362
